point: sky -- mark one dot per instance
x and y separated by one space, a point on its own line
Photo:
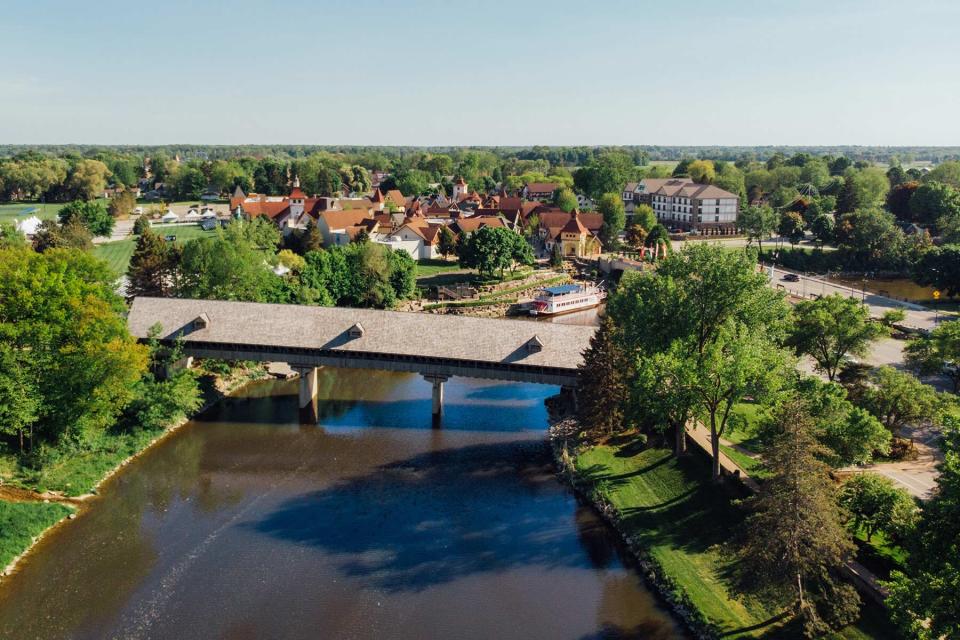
494 72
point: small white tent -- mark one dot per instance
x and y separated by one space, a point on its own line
170 216
27 226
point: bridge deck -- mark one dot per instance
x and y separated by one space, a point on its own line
426 343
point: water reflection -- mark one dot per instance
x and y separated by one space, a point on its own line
370 524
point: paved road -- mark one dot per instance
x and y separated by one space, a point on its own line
918 317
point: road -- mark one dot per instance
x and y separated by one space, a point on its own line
918 317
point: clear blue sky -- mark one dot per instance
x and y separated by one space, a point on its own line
432 72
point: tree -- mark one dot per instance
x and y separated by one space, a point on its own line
603 389
702 171
19 398
933 201
940 267
93 215
657 238
938 352
644 216
72 235
492 249
714 322
447 242
152 266
946 172
891 317
897 399
71 336
614 218
403 273
310 238
635 236
877 506
898 200
556 257
88 179
923 597
791 227
565 199
830 329
233 265
142 224
822 228
849 434
122 204
758 223
870 238
11 237
795 545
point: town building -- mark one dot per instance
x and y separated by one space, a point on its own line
539 190
682 204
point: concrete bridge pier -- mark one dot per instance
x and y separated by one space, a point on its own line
437 382
308 393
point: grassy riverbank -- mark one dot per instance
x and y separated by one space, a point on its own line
22 522
76 471
685 523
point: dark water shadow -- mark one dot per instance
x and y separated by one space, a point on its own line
439 516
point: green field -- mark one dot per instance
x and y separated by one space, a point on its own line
429 268
21 522
19 211
747 416
686 524
118 253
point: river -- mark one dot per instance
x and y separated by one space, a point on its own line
245 524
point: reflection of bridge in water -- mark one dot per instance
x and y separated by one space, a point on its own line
435 346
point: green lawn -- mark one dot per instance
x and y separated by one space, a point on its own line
20 522
429 268
752 466
118 253
686 523
683 520
748 416
19 211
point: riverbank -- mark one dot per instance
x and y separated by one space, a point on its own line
33 503
680 527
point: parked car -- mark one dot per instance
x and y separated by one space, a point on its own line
791 277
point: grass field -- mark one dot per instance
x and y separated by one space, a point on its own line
430 268
686 523
19 211
118 253
21 522
748 416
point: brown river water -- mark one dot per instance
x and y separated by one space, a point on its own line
247 525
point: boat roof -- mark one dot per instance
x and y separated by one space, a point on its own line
559 290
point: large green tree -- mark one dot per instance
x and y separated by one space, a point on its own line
758 223
603 389
940 267
614 218
492 249
923 597
877 506
153 266
830 329
937 353
60 316
898 398
93 215
795 545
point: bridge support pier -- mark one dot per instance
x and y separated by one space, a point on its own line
569 395
437 382
308 393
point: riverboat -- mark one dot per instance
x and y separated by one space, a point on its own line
566 298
